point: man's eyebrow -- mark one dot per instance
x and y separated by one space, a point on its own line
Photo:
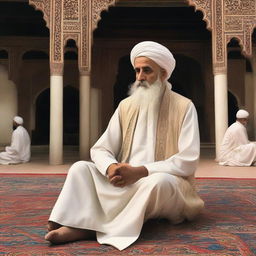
145 67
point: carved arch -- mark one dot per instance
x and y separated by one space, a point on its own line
71 20
44 7
206 8
228 19
99 6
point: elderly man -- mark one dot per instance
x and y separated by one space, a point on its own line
236 149
19 150
143 165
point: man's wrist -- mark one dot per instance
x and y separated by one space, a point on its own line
110 168
142 171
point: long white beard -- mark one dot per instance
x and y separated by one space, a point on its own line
146 95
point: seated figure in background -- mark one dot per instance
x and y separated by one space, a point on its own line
19 150
236 149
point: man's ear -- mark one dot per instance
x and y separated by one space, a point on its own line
163 74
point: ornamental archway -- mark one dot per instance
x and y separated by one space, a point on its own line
77 19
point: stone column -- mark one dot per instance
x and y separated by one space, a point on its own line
253 63
95 127
84 126
56 117
221 108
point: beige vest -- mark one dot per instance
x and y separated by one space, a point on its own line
172 112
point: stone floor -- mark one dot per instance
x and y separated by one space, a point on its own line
40 164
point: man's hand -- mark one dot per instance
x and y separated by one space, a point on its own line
123 174
112 169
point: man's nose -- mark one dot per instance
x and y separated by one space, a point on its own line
141 76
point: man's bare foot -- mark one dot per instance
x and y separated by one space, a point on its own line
52 225
68 234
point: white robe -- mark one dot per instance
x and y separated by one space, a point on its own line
89 201
236 149
19 150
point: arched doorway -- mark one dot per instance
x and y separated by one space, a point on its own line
186 80
40 135
232 108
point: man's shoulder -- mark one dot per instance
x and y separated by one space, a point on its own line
178 96
20 129
234 127
125 102
178 100
126 99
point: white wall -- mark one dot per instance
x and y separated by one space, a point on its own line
8 106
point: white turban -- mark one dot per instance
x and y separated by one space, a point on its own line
18 120
156 52
242 114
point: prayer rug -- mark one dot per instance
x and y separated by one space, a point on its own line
225 227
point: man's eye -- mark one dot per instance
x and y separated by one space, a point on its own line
144 70
147 70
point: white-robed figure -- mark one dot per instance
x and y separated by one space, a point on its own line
143 165
236 149
19 150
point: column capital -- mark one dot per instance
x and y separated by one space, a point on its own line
56 69
219 69
84 72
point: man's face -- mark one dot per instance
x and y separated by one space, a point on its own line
14 125
244 121
147 70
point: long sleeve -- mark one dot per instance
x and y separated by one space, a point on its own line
183 163
106 149
13 149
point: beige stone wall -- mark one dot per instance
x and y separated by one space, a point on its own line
8 104
34 78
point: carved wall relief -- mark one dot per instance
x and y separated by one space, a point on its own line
229 19
71 19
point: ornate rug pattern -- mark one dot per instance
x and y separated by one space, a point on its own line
227 225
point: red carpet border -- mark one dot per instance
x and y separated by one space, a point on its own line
225 227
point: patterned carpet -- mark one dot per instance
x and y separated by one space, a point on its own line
225 227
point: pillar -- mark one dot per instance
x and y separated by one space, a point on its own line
253 63
56 119
84 125
221 108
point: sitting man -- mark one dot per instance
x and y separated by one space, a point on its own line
236 149
143 165
19 150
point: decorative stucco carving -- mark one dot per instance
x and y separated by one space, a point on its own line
238 7
70 10
205 6
97 7
228 19
44 7
56 68
71 19
56 43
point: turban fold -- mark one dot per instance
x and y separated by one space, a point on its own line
18 120
242 114
156 52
